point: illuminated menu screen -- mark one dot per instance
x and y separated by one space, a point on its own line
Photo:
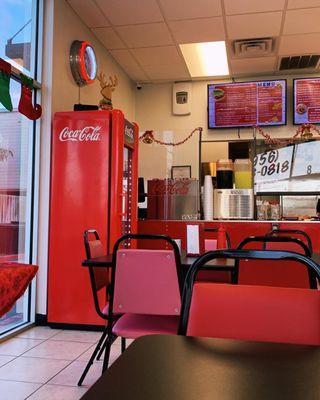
247 104
306 101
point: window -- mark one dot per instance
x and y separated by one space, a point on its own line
19 45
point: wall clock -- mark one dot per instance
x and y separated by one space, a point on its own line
83 62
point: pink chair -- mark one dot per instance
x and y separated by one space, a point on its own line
145 289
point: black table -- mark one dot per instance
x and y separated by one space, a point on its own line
161 367
219 264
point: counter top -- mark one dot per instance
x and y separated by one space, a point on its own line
231 220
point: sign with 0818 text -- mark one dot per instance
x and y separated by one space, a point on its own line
273 165
306 159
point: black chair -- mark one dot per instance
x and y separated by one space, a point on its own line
294 232
100 281
274 274
245 312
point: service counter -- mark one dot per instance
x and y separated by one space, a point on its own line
238 230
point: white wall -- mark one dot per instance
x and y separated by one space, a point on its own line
59 93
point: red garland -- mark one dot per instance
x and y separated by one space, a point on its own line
303 130
148 138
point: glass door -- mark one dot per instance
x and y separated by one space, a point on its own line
20 42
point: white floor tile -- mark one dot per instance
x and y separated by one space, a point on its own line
11 390
58 350
39 332
114 353
78 336
71 375
36 370
55 392
5 360
17 346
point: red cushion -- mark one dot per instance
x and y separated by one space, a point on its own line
132 326
259 313
14 280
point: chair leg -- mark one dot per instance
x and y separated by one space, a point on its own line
108 343
123 344
101 351
93 356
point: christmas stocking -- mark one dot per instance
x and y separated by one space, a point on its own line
5 71
25 104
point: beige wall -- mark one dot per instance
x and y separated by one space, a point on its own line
67 28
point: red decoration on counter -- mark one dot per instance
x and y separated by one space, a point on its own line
148 138
222 238
25 104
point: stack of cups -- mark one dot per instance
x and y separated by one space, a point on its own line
208 198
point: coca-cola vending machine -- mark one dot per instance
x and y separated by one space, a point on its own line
94 166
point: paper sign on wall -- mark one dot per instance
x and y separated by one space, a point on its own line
193 239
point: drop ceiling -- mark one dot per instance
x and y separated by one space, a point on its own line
143 36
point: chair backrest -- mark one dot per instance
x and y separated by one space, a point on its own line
266 273
295 233
99 276
270 314
146 281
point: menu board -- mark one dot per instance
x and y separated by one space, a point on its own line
306 101
247 104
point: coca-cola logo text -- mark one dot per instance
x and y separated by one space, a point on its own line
86 134
169 186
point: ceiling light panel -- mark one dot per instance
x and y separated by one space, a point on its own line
206 59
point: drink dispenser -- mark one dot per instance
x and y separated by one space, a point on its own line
224 174
243 174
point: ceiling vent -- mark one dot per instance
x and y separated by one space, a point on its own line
299 62
253 47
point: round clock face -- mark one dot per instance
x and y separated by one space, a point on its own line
83 62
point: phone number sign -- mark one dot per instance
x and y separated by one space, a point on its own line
273 165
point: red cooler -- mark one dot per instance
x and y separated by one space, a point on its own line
93 186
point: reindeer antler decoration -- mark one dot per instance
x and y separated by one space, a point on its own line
106 90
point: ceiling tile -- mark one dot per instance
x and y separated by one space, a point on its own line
129 64
303 3
251 26
299 44
302 21
89 12
185 9
251 66
109 38
198 30
145 35
126 12
153 56
172 72
252 6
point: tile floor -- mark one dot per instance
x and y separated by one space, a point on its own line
46 364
